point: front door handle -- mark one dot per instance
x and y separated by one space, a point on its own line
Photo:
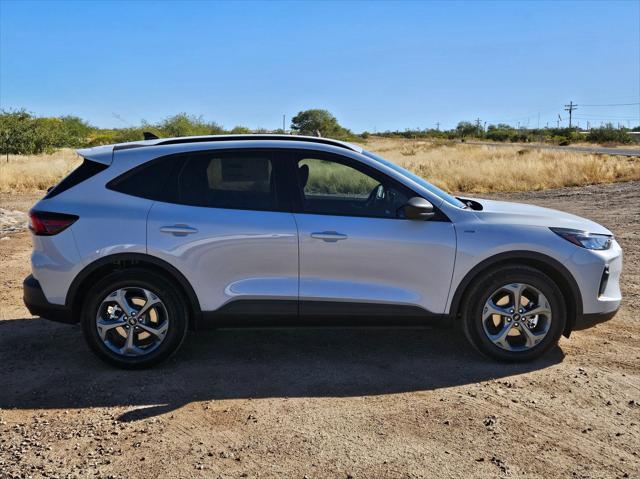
178 230
330 236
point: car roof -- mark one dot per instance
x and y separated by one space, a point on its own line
103 154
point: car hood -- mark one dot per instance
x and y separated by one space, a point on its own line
505 212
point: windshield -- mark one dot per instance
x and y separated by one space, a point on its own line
452 200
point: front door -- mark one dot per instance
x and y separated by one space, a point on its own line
358 255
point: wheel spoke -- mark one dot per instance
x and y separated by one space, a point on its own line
120 297
516 289
491 308
544 310
500 337
160 332
541 307
151 300
129 347
531 338
105 326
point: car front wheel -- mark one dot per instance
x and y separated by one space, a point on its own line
514 313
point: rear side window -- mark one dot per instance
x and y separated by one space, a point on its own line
235 180
83 172
149 180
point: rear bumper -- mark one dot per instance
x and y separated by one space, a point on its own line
37 304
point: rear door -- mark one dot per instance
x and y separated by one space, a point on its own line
358 254
225 224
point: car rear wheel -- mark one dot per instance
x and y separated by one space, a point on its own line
134 319
514 313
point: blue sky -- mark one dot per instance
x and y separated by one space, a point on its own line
376 65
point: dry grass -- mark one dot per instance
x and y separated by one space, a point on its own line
482 169
37 172
453 167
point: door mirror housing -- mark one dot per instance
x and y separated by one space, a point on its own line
418 209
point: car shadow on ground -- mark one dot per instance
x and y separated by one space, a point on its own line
48 365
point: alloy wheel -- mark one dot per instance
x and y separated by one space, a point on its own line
516 317
132 321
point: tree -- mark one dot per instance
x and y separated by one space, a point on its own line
466 128
312 122
17 135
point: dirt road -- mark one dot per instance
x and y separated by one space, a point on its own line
631 150
336 403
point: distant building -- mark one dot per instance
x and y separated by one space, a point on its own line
635 135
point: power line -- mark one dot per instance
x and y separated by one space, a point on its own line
596 117
613 104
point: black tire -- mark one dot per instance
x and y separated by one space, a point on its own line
137 278
484 285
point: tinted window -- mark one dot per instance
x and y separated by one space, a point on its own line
148 180
421 181
329 185
83 172
238 180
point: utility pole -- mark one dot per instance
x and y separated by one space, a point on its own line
559 120
478 125
284 117
570 107
438 126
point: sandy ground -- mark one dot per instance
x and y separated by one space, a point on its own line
335 403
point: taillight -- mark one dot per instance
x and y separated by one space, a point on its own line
44 223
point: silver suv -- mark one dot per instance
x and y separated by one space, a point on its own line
147 240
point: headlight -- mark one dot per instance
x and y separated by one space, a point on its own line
584 239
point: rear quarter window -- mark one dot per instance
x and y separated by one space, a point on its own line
86 170
149 180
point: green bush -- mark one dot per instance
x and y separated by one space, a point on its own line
240 130
188 125
609 134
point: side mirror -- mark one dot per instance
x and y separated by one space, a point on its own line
418 209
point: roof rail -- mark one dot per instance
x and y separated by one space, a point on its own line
212 138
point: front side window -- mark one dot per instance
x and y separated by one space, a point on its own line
334 186
237 180
452 200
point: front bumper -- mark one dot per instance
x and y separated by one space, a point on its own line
37 304
589 320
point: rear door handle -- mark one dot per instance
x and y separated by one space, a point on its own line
178 230
330 236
